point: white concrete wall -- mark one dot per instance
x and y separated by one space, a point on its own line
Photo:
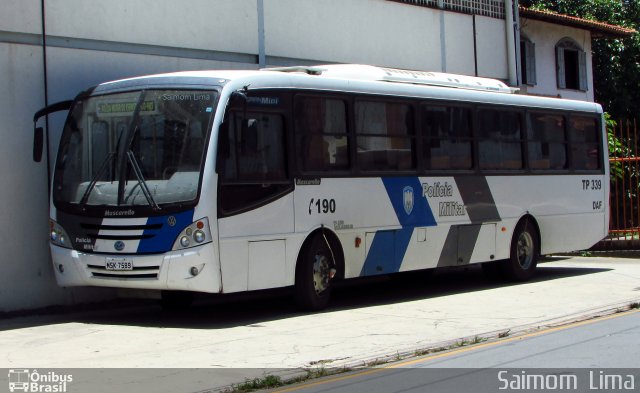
459 46
545 36
491 47
21 15
90 42
384 33
374 32
26 279
223 25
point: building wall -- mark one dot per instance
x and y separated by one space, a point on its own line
491 48
362 31
545 36
459 45
90 42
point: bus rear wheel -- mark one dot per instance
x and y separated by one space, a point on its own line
314 272
523 259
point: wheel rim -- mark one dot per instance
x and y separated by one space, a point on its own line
524 251
321 270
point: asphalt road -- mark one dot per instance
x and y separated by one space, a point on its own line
600 354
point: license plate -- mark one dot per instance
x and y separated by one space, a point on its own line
119 264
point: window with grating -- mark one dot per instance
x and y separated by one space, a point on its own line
490 8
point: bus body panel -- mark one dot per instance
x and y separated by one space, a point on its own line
171 270
254 257
469 228
155 266
253 247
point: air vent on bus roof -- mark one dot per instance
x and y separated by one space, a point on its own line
372 73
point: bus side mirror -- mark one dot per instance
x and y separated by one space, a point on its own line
38 141
38 132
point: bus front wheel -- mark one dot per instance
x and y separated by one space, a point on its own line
523 259
314 272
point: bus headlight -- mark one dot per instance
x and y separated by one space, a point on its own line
199 236
184 241
194 235
58 236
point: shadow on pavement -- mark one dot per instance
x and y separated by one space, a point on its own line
254 308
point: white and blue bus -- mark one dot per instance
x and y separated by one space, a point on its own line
230 181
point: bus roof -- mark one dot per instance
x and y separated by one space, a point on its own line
354 78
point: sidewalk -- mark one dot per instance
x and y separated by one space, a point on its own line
383 319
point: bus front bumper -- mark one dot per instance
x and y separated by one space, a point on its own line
193 269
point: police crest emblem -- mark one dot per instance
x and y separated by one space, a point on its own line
407 193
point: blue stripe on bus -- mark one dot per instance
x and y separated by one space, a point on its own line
420 215
412 210
162 239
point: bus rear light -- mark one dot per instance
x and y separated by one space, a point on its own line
194 235
58 236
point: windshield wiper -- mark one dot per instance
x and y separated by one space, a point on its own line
108 159
94 179
143 184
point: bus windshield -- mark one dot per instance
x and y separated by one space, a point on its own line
140 148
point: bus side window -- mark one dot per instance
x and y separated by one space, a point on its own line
500 139
547 141
385 136
249 135
447 137
255 148
585 149
322 142
251 160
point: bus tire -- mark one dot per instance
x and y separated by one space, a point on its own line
523 259
313 282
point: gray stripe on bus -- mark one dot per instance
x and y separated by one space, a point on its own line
476 196
459 245
481 207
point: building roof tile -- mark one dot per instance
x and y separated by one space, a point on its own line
598 29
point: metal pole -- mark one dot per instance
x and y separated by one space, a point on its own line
443 42
262 56
637 182
46 94
511 48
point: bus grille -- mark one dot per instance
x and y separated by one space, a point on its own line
138 273
98 238
93 231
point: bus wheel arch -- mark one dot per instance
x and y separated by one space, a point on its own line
320 261
524 250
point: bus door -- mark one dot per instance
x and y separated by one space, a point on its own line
255 200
